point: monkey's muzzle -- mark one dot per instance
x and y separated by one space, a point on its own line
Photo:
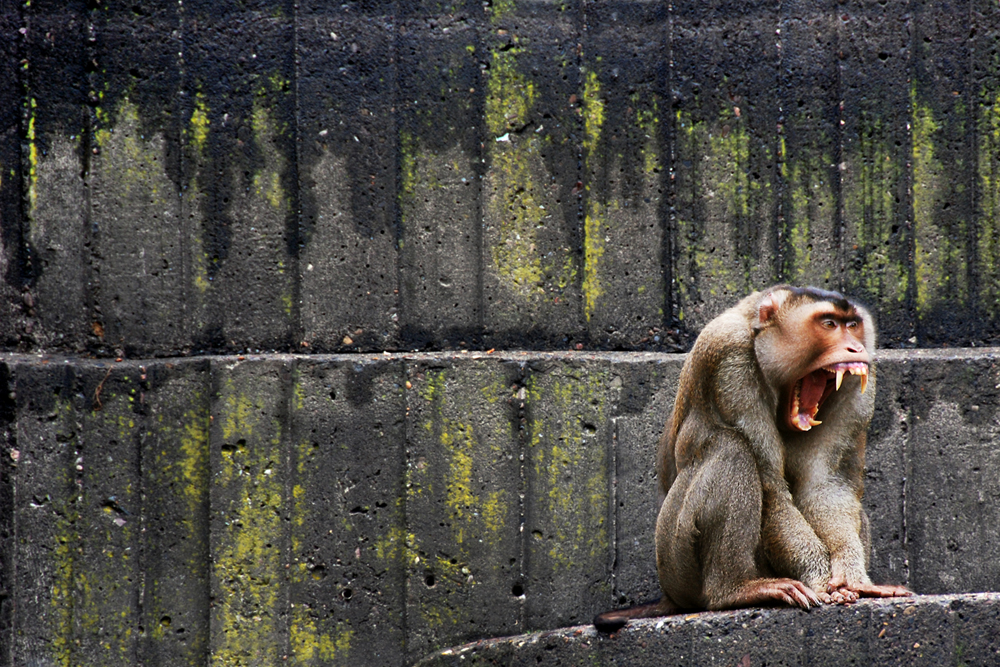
809 393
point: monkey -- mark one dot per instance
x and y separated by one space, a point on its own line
761 462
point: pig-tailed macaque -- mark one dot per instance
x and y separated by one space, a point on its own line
762 460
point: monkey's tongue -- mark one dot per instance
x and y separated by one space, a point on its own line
808 395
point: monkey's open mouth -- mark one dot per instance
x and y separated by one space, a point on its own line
809 393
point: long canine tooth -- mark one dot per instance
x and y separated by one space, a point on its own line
864 380
840 377
814 422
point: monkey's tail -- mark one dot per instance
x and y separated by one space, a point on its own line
610 621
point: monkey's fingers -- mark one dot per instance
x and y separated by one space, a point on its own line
790 591
843 596
878 591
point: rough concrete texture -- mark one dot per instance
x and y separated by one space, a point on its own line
928 630
374 509
333 177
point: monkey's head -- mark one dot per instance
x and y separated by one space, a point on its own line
806 341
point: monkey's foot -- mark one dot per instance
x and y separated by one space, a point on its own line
840 591
788 591
877 591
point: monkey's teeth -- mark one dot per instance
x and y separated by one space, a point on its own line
814 422
854 368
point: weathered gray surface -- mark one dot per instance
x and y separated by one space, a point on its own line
330 177
926 630
371 509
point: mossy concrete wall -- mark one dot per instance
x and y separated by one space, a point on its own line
231 176
372 509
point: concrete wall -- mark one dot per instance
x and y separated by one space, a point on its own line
370 509
268 175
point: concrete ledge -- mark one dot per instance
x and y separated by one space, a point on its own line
924 630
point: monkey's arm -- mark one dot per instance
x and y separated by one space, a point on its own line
828 490
792 546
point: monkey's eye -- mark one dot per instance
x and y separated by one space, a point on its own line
828 324
852 325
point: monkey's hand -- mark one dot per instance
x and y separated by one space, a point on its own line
841 590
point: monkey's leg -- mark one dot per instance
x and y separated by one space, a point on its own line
709 550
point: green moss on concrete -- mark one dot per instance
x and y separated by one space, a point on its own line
988 222
872 212
809 213
939 244
520 198
67 580
312 647
267 180
516 206
196 136
132 163
457 483
726 201
248 563
570 466
32 158
199 123
595 218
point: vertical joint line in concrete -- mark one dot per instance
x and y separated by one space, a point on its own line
908 211
669 217
613 507
296 328
89 250
778 234
288 370
523 442
837 183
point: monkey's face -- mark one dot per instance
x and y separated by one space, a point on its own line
808 350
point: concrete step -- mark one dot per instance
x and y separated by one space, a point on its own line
928 630
373 509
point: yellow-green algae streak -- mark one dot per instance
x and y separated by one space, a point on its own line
719 153
310 644
871 211
196 137
939 256
248 565
988 240
570 466
811 203
473 514
185 470
596 217
92 555
518 187
510 96
66 580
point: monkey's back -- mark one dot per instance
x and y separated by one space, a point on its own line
725 344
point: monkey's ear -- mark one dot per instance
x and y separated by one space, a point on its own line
768 307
